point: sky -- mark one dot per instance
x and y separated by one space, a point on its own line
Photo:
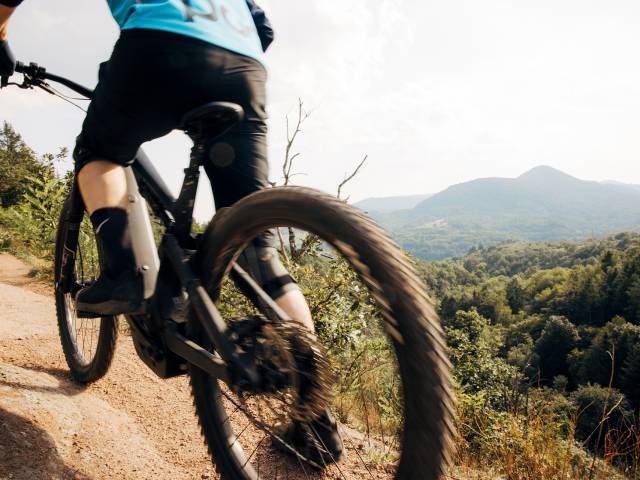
435 93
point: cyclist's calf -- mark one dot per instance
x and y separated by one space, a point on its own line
260 259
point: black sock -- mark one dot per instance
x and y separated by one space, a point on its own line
112 232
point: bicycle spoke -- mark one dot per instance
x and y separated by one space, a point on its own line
334 461
355 448
254 451
354 306
231 415
237 437
84 332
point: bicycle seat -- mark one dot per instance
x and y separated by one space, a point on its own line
211 119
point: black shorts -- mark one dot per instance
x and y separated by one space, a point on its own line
151 80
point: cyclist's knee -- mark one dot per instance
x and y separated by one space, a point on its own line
84 155
262 262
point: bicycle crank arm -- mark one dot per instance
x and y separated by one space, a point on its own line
209 316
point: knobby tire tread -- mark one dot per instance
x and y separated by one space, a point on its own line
108 332
429 430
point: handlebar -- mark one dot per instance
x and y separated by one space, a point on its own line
35 76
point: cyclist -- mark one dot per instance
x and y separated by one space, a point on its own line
173 56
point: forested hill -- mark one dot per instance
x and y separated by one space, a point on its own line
520 257
523 260
553 326
542 204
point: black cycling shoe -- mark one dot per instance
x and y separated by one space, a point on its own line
318 441
112 296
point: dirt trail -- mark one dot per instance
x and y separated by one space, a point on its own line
129 425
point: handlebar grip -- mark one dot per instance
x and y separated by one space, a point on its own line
33 70
35 75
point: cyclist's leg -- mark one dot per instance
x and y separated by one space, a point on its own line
152 79
111 135
238 167
102 184
152 84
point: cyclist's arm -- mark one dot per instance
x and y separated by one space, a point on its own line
6 9
7 60
263 25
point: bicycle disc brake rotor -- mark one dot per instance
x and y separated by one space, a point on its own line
291 363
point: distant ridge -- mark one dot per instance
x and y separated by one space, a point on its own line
541 204
389 204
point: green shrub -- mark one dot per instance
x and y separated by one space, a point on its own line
600 414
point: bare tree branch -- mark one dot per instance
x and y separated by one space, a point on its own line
350 177
297 249
283 250
292 244
287 165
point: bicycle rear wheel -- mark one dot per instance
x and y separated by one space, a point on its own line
416 445
88 343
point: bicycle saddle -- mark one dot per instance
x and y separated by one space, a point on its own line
211 119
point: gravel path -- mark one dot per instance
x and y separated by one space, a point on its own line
128 425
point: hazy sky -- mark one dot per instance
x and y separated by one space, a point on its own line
435 92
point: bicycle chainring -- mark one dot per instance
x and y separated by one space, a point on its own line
291 363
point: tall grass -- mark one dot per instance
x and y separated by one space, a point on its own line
539 442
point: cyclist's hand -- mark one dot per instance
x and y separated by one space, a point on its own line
7 60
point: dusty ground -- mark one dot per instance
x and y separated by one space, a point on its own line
129 425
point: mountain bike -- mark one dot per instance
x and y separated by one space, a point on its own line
251 367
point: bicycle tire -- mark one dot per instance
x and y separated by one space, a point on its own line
427 445
82 370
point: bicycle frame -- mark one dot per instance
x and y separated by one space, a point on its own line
159 338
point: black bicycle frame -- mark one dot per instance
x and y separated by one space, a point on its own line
160 341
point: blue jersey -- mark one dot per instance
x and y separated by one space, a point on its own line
226 23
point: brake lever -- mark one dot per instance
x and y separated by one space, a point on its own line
4 82
28 82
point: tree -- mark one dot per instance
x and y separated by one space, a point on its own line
298 248
583 296
557 340
631 376
516 294
632 310
609 349
17 163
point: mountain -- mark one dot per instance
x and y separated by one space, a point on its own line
390 204
541 204
628 185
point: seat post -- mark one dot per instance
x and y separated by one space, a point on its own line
203 125
186 200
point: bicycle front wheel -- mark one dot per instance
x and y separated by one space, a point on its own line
382 339
88 343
